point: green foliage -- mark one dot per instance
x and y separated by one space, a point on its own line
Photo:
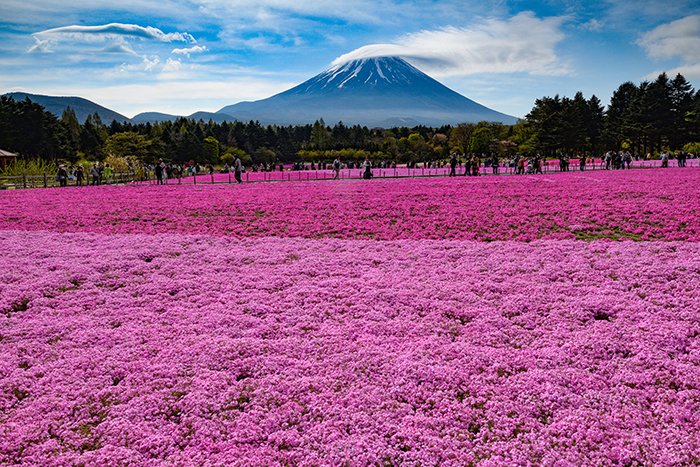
461 136
129 144
93 136
211 149
320 136
122 164
26 128
693 148
29 167
264 154
486 136
237 152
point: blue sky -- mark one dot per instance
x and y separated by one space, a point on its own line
182 56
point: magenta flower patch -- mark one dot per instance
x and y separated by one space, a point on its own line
354 323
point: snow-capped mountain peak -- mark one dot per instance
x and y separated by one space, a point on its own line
370 71
377 91
364 73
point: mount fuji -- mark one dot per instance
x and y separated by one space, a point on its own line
376 92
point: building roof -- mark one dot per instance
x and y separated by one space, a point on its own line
4 153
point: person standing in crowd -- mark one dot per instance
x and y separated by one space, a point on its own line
494 164
95 174
664 159
163 171
682 157
79 176
453 165
336 169
237 169
159 171
582 162
468 165
520 168
62 175
367 172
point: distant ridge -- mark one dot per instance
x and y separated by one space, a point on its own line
82 107
376 92
155 117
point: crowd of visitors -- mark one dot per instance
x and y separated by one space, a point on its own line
458 164
99 173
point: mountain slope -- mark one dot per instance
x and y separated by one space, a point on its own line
372 92
82 107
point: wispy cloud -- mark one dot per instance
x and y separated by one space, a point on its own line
190 50
116 33
594 25
634 12
521 44
678 39
118 49
115 30
146 64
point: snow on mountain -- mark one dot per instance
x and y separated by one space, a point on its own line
371 92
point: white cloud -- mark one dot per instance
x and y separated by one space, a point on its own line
116 33
40 46
115 30
678 39
190 50
146 64
172 65
521 44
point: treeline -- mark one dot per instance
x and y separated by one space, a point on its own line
644 118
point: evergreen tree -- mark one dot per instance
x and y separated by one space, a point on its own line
617 112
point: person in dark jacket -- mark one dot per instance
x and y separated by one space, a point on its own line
79 175
453 165
159 172
62 175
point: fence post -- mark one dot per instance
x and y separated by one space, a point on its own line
46 184
194 176
24 180
247 177
229 177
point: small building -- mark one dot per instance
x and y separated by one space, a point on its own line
7 157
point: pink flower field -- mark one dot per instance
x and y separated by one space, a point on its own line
490 321
634 204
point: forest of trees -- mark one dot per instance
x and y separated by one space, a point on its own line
644 118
